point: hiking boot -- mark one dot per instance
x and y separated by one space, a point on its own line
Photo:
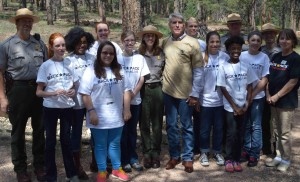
228 166
147 162
120 174
219 159
237 167
252 162
127 168
101 177
204 159
283 166
244 157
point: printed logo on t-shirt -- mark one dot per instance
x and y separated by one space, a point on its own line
131 69
211 67
239 76
109 81
281 66
256 66
82 66
60 76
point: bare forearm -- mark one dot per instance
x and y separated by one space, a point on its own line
87 100
287 87
260 86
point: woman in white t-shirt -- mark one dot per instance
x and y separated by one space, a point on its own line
55 81
106 97
260 64
135 68
212 109
77 43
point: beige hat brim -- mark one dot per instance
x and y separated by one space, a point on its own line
269 30
141 33
14 19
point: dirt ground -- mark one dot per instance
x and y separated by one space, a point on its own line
211 173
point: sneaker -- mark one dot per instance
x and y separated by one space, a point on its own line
252 162
244 157
137 166
101 177
204 160
219 159
237 167
120 174
283 166
73 179
127 168
275 162
229 167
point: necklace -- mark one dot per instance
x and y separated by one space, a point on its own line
214 65
236 75
61 74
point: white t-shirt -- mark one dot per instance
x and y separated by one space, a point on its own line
260 64
93 50
134 67
202 45
107 98
212 95
80 63
56 75
235 78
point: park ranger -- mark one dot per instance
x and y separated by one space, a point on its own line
20 58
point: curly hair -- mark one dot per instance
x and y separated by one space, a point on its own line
73 38
99 67
234 40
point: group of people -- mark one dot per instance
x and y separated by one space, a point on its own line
239 90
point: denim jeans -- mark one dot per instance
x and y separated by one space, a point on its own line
196 129
51 115
211 117
253 132
107 141
129 136
175 107
234 136
76 130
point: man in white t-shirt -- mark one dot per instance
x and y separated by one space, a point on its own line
192 29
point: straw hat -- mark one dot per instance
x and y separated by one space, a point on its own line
234 18
23 13
269 27
150 29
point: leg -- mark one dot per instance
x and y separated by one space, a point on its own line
266 130
100 138
196 129
218 123
207 117
65 141
114 137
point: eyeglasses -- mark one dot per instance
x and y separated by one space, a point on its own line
107 53
128 41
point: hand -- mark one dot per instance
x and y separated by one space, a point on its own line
126 115
59 92
238 111
4 104
132 94
192 101
93 118
70 93
273 99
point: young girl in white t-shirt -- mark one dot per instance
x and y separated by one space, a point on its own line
55 81
135 68
260 64
235 79
106 97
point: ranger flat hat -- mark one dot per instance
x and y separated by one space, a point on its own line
23 13
269 27
234 18
150 29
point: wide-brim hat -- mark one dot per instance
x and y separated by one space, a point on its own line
150 29
269 27
234 18
24 13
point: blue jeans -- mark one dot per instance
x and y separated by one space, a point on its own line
211 117
234 136
129 136
253 132
76 130
51 115
107 141
173 107
196 129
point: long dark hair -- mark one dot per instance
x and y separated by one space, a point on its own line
156 49
114 66
209 34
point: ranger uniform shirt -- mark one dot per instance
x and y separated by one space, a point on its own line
22 59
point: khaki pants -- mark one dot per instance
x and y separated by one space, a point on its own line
281 122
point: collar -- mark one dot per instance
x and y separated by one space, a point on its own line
179 38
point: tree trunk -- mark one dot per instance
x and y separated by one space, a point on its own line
1 5
23 4
283 11
76 16
101 10
49 8
176 6
142 10
293 18
131 15
43 5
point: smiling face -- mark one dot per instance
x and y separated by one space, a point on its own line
102 31
149 39
81 46
192 28
234 28
254 43
24 25
285 43
213 44
128 43
107 55
176 26
235 52
59 47
269 37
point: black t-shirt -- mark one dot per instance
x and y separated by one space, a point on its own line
282 69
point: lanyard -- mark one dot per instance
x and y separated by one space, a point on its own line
236 75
